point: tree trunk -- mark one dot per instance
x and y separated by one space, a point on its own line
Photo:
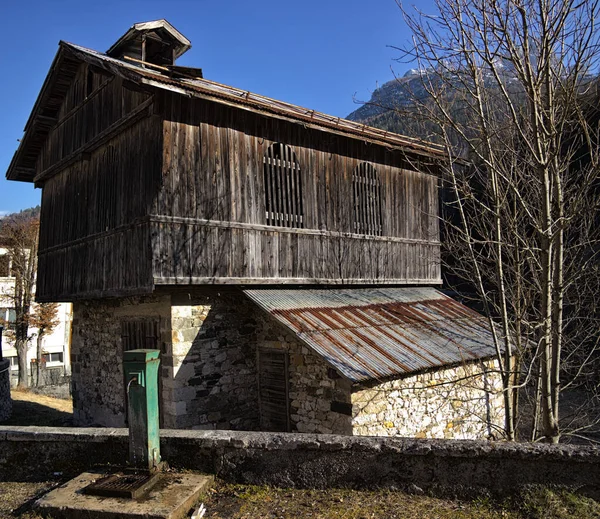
38 361
21 347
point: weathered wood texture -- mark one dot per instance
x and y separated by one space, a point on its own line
95 100
210 222
142 187
94 235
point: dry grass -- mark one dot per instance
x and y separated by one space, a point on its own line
32 409
251 502
229 501
248 502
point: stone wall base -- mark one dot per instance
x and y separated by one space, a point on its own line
458 467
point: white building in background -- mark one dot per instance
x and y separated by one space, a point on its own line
56 345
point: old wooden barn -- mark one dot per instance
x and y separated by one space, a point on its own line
283 261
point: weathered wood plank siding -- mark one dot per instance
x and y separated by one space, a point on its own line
95 231
209 223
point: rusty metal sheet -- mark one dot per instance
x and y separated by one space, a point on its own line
375 333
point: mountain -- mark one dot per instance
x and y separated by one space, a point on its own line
25 214
389 102
392 106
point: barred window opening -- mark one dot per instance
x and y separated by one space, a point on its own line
139 334
367 200
283 187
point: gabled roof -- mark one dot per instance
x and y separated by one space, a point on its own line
181 43
380 333
69 56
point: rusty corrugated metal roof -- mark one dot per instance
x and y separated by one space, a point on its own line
378 333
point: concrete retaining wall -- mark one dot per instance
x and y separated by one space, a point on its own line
314 461
5 399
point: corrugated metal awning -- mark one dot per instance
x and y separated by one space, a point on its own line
376 333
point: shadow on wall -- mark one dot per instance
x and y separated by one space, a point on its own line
214 383
27 413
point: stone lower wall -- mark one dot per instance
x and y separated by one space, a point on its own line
463 402
208 339
457 467
208 359
319 397
211 363
98 387
5 398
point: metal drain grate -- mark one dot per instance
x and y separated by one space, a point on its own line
130 486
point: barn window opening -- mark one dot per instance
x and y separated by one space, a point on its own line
89 82
367 200
283 187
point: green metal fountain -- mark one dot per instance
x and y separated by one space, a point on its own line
141 377
141 382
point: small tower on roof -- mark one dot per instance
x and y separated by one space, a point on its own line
156 42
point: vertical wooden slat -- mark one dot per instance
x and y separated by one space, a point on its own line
283 191
367 204
280 186
273 385
267 187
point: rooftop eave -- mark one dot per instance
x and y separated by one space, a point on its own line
43 116
69 57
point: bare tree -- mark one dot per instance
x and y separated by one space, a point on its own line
510 88
21 238
45 319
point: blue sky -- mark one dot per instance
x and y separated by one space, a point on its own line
319 54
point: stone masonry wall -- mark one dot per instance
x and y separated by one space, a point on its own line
439 467
210 379
5 398
208 341
449 403
208 359
97 355
319 397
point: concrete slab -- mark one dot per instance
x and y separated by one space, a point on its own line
171 498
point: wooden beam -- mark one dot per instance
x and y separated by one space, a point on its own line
179 220
46 119
131 118
76 109
289 281
97 236
25 171
95 294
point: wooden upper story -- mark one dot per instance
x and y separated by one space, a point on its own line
154 176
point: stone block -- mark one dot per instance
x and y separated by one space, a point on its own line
183 372
169 499
178 311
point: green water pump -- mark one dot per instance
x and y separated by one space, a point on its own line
141 379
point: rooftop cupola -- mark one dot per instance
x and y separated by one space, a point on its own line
156 42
